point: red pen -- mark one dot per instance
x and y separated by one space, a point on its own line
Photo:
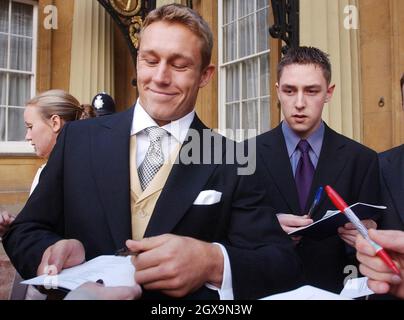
343 207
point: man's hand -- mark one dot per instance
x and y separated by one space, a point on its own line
291 222
63 254
176 265
5 221
381 278
97 291
348 232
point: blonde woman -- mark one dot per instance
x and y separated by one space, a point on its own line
44 117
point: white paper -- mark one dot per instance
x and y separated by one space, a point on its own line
113 270
356 288
306 293
329 213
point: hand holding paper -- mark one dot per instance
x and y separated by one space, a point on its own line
176 265
113 270
291 222
328 225
348 232
61 255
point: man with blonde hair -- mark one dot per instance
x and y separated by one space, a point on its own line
197 228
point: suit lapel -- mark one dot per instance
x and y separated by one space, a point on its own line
274 155
330 164
394 175
110 156
183 185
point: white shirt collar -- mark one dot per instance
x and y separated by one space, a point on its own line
178 128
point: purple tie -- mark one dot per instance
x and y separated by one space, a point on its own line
304 174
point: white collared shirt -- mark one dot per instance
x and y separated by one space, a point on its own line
178 130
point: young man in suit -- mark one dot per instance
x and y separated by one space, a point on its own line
197 226
302 154
392 182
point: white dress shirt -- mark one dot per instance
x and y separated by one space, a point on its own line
178 130
36 178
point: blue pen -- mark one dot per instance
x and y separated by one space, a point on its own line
317 198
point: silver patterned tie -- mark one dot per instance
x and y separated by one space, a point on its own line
154 157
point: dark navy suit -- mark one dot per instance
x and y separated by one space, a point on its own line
349 167
392 183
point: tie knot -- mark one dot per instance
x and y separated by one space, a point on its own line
155 133
303 146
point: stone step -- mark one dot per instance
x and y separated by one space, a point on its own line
16 174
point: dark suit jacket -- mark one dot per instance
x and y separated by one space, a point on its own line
392 183
84 194
349 167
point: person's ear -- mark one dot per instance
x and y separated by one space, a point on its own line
56 123
330 92
207 74
277 90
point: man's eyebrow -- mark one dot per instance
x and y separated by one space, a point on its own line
287 86
313 86
171 58
151 52
180 56
290 86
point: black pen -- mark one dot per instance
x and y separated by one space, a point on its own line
124 252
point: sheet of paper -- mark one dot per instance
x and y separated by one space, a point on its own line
356 288
306 293
113 270
330 213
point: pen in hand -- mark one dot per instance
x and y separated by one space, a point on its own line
316 201
124 252
343 207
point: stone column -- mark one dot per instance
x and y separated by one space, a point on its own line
322 25
92 58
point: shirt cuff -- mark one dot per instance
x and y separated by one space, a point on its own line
226 290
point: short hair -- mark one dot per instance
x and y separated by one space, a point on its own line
177 13
57 102
306 55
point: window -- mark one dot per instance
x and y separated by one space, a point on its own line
17 70
244 95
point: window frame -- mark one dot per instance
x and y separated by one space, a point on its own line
21 147
222 105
